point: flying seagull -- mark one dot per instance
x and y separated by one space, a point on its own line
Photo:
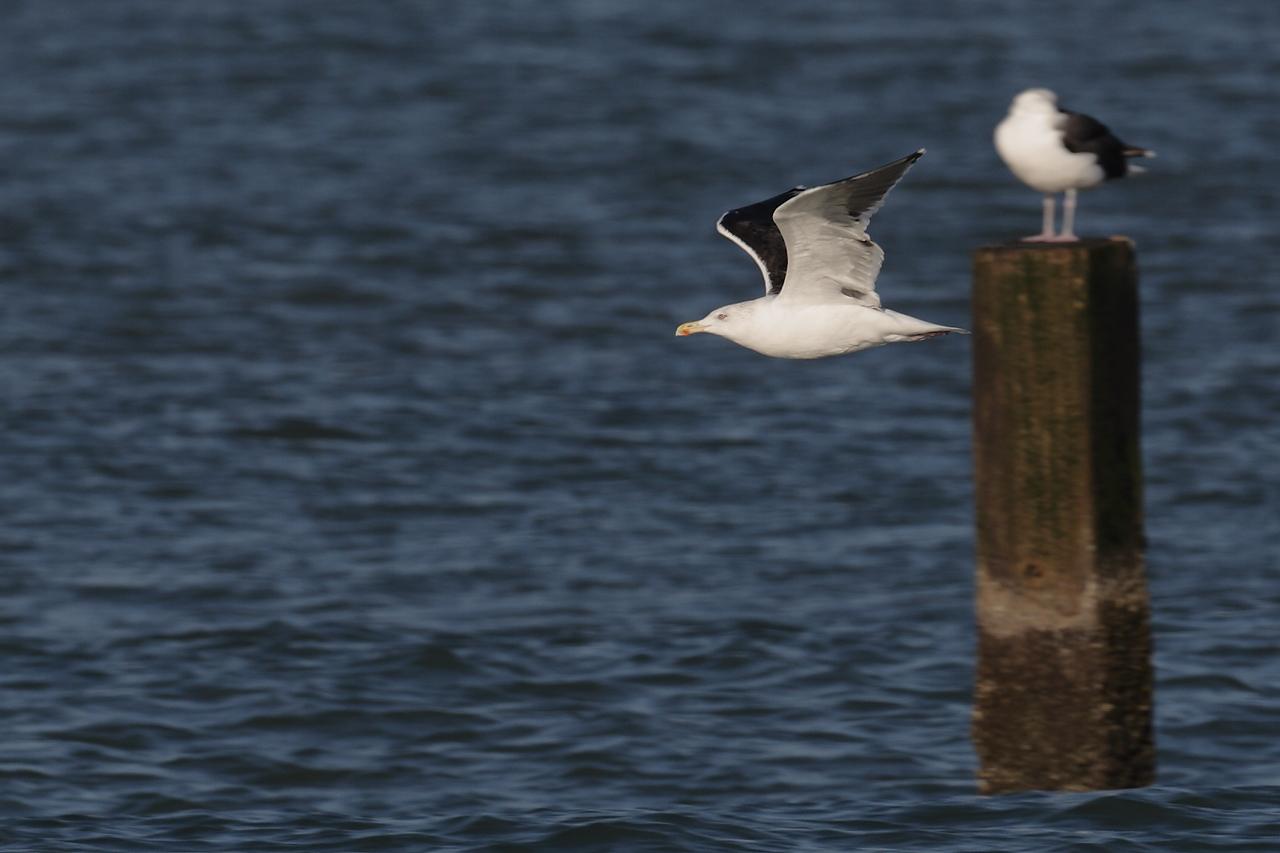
1059 151
819 270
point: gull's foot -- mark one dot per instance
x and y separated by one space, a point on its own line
1040 238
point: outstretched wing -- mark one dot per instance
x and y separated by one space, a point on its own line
753 230
824 230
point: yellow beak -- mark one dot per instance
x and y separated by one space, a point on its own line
690 329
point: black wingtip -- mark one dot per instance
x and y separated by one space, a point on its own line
903 163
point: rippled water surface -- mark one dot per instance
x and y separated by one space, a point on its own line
358 497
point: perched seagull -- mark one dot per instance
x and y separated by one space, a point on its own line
1057 151
819 270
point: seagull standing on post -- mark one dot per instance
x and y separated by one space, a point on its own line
819 270
1058 151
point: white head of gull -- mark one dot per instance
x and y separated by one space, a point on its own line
1054 150
819 270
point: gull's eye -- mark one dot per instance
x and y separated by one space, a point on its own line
722 316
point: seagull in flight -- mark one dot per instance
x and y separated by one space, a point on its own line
1054 150
819 267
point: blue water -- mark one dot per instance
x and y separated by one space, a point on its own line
357 495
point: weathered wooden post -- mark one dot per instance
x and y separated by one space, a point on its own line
1063 694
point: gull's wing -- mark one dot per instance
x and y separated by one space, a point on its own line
824 229
752 228
1082 133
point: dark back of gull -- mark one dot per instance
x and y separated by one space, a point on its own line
357 496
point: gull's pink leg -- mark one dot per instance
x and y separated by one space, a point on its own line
1068 234
1046 234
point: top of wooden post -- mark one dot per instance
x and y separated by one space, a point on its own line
1086 243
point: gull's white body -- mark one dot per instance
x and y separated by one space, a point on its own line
773 327
1029 141
816 240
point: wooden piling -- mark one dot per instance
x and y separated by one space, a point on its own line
1063 693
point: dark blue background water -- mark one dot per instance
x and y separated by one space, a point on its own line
357 496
